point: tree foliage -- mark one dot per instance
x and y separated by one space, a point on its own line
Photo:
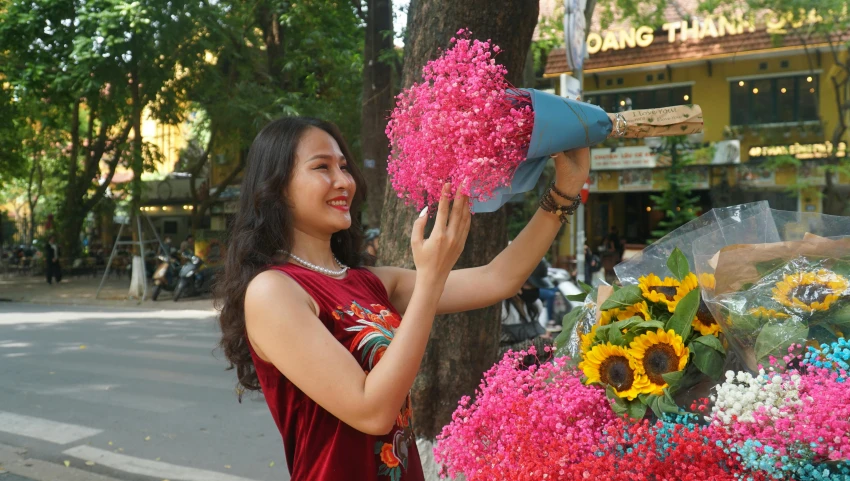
676 201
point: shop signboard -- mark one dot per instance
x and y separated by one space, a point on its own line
756 175
636 180
712 26
640 156
811 173
593 182
698 178
727 152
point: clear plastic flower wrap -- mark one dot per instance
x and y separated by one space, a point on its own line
775 279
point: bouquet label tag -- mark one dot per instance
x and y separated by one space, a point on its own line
661 122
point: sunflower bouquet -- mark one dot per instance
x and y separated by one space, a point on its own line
651 340
770 297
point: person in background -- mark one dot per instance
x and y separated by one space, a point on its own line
613 245
370 239
592 263
187 247
51 260
523 321
540 280
167 247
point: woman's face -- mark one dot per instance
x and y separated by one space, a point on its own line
321 189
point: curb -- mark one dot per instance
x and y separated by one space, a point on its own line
13 460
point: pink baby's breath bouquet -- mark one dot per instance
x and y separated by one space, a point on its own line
460 125
526 422
465 124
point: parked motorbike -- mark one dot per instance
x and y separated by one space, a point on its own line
194 279
165 276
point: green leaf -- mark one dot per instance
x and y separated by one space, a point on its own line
624 297
746 286
841 316
765 267
686 310
678 264
776 337
615 336
627 323
577 297
662 404
650 325
823 334
636 409
667 404
619 409
602 332
673 378
569 322
561 341
744 323
712 342
841 268
586 288
707 360
609 391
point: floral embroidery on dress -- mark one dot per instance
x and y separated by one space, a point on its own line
374 332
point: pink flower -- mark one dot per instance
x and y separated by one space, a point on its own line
525 423
461 124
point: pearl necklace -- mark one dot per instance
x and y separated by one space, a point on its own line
319 269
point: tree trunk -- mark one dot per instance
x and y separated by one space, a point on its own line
464 345
70 218
376 104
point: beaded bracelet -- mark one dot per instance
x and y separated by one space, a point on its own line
549 204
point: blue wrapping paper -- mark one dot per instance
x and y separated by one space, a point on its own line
559 124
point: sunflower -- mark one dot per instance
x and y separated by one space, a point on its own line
641 309
655 290
688 284
614 366
766 313
810 291
658 353
608 315
707 281
587 340
704 320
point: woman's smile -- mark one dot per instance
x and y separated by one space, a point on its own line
340 203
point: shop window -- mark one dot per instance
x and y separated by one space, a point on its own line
642 99
169 227
766 101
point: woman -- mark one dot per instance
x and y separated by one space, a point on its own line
301 321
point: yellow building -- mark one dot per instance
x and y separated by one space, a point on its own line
760 98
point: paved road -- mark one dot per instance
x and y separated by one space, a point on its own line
136 394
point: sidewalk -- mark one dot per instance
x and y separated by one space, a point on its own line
15 466
80 291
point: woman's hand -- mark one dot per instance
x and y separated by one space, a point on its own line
571 170
436 256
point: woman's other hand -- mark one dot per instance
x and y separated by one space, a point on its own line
436 256
571 170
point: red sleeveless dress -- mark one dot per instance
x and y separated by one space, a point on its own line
320 447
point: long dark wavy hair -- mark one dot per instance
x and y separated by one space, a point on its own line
263 226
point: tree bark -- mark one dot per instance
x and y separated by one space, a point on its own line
377 101
464 345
